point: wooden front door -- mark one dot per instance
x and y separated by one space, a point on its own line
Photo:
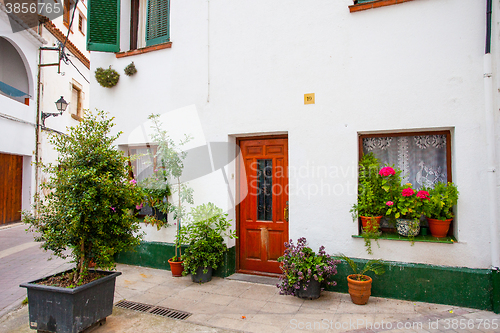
263 189
11 183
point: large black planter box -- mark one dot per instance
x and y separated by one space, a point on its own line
56 309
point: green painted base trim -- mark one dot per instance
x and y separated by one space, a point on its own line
156 255
473 288
495 294
419 238
458 286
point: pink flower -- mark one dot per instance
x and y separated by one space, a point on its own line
407 192
387 171
423 195
113 209
389 203
133 181
138 206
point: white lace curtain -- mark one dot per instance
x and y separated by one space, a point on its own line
422 158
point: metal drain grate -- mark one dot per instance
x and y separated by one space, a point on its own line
156 310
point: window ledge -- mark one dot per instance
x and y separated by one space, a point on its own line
144 50
374 4
419 238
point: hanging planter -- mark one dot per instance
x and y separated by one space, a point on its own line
107 78
130 69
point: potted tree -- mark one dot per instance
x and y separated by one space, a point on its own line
204 236
439 208
360 285
170 157
88 211
305 273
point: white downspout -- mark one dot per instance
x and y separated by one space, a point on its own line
490 149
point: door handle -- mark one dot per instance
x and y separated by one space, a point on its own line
285 213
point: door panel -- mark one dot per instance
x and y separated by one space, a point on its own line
11 183
263 174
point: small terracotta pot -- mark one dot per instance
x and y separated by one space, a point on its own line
374 221
176 267
360 291
439 228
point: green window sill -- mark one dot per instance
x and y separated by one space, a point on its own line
419 238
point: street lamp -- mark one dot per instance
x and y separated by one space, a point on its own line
61 106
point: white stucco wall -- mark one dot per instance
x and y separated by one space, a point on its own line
17 137
412 66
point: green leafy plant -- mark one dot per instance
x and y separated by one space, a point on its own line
204 235
130 69
369 233
107 78
170 157
88 208
371 195
301 265
156 191
442 198
375 265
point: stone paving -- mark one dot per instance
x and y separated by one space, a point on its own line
21 260
224 305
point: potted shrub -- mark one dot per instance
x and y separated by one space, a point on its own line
360 285
305 273
88 211
170 157
371 195
439 208
156 192
204 236
373 190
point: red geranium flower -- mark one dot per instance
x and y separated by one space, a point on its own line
423 195
407 192
387 171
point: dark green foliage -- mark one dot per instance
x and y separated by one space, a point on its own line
107 78
205 238
130 69
89 206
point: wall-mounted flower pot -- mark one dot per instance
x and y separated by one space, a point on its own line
176 267
360 291
200 277
439 228
309 290
72 310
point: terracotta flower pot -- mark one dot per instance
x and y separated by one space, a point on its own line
374 221
439 228
360 291
176 267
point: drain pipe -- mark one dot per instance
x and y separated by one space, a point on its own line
490 143
491 160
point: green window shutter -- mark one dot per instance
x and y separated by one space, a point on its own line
157 24
103 25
